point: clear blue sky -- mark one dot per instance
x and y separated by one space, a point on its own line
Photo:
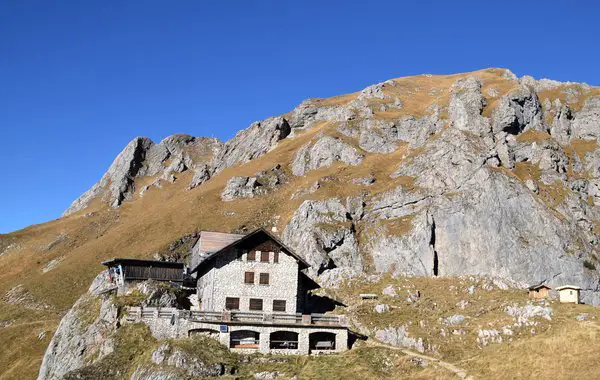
79 79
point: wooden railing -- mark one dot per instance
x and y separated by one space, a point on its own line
147 314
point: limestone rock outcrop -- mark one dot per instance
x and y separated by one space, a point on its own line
242 187
84 334
310 112
586 121
517 112
323 153
252 142
141 158
249 187
324 232
466 105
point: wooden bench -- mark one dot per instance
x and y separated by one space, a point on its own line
368 296
245 345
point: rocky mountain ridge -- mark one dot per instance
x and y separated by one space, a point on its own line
476 154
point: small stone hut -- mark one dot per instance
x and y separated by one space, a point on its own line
539 291
568 294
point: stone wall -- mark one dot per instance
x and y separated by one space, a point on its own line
175 327
226 279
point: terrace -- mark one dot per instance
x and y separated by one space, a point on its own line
147 314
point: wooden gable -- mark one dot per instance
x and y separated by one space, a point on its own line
259 240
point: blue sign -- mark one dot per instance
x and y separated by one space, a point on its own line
224 328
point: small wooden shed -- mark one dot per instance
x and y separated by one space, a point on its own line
121 270
568 293
539 291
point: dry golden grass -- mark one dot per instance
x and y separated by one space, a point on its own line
564 352
560 93
525 171
532 136
21 350
581 147
560 348
439 299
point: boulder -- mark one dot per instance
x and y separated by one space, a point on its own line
549 156
242 187
381 308
249 187
201 175
399 337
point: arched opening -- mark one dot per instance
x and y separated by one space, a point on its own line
321 341
203 332
244 339
284 340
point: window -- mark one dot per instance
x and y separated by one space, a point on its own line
278 305
232 303
275 257
264 257
251 256
249 278
256 304
264 279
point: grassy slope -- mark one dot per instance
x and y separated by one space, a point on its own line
146 225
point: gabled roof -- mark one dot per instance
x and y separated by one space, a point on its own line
574 287
214 241
539 286
303 264
146 263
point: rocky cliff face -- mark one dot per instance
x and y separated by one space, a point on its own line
143 158
84 335
480 173
87 344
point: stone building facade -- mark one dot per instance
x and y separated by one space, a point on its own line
255 273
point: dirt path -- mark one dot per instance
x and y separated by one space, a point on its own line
461 373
